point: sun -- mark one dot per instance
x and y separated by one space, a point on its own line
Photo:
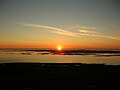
59 47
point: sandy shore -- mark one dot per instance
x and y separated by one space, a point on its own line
37 76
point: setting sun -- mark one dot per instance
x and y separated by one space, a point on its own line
59 47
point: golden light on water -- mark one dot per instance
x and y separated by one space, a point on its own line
59 47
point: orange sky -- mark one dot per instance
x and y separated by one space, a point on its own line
65 46
69 23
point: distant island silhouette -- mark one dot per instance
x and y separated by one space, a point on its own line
95 52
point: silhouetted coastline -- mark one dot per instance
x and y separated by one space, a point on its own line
95 52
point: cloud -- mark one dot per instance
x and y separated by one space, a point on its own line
80 27
100 35
55 30
88 31
79 31
86 27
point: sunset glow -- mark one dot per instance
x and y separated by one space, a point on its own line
59 48
50 24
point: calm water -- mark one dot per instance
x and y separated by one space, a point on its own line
23 56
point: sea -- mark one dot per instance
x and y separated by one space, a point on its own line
84 56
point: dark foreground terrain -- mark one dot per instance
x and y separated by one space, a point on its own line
37 76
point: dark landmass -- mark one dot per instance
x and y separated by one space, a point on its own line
96 52
64 51
63 76
99 53
78 51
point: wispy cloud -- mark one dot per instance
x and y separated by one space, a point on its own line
88 31
86 27
79 31
100 35
80 27
91 31
55 30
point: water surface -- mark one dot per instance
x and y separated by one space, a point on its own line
8 56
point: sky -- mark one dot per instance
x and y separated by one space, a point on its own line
69 23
